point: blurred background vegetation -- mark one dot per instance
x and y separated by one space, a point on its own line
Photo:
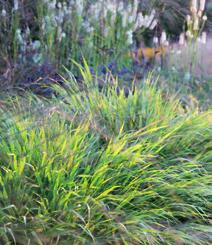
39 32
30 15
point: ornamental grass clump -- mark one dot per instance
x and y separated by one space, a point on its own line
104 169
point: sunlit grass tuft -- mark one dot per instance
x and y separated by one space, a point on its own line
100 168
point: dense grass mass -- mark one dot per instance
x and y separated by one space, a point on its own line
105 122
100 168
